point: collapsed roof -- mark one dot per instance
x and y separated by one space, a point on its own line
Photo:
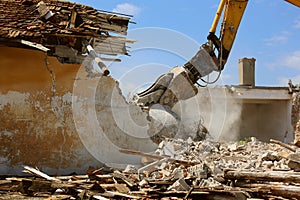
62 28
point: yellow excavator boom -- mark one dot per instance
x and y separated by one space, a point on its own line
233 11
294 2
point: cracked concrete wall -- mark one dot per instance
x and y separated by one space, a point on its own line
37 122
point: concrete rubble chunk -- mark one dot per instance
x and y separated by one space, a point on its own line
143 183
130 169
232 147
168 149
199 171
271 156
180 185
268 164
210 182
178 173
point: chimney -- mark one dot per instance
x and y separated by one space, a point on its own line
247 72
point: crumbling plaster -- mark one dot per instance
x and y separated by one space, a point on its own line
37 122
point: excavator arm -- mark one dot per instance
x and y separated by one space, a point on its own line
233 12
294 2
178 83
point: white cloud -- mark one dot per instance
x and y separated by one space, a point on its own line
297 24
292 60
283 81
127 8
276 39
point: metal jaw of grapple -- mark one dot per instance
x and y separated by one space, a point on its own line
178 83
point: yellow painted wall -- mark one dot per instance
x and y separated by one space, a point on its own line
36 123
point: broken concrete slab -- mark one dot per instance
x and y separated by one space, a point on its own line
180 185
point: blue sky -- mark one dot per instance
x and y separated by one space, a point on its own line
269 32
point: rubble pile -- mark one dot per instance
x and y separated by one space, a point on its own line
180 169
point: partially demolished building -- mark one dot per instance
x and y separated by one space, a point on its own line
42 47
58 115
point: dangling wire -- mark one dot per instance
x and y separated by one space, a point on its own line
212 82
206 84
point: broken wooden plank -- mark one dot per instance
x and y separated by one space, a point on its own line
104 176
99 197
35 45
160 182
64 185
73 19
122 188
183 162
42 8
188 193
151 167
184 192
41 186
104 179
283 145
108 186
133 152
111 59
283 154
271 176
7 185
127 180
286 191
40 174
76 177
123 195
